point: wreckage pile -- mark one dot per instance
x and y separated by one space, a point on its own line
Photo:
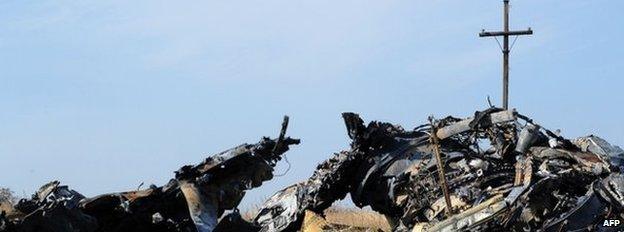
192 201
496 171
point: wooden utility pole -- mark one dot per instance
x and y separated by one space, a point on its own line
505 49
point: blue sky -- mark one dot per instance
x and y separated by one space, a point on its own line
104 95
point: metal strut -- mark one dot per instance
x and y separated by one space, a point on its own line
442 175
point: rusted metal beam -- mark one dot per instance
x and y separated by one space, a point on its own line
442 175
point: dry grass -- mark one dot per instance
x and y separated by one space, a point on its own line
355 218
5 206
7 200
341 216
359 218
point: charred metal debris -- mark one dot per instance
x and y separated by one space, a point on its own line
496 171
192 201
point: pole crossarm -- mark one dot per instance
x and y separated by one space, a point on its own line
503 33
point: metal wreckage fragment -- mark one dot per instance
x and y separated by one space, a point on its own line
192 201
501 171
